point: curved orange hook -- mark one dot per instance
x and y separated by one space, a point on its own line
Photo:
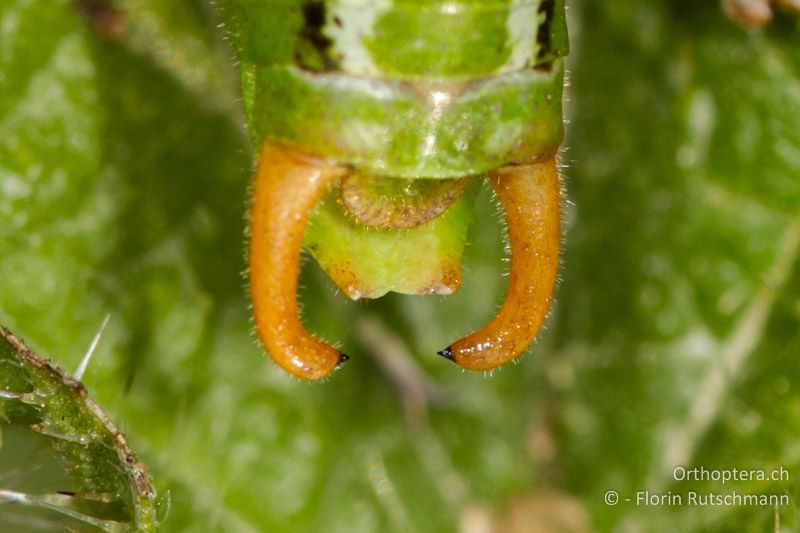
529 194
288 184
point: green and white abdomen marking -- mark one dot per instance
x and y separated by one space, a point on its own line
365 112
435 40
404 88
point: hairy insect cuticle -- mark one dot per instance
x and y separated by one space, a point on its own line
393 110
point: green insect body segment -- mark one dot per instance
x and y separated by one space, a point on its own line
382 112
404 88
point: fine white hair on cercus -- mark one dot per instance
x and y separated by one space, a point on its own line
353 102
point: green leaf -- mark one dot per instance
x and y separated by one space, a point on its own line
684 132
674 338
107 486
180 36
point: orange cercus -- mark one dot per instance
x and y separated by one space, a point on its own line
371 120
288 185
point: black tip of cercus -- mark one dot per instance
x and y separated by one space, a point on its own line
447 353
343 358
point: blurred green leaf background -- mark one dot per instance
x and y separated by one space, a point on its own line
673 341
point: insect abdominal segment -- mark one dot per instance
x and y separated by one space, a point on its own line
394 204
373 121
288 185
